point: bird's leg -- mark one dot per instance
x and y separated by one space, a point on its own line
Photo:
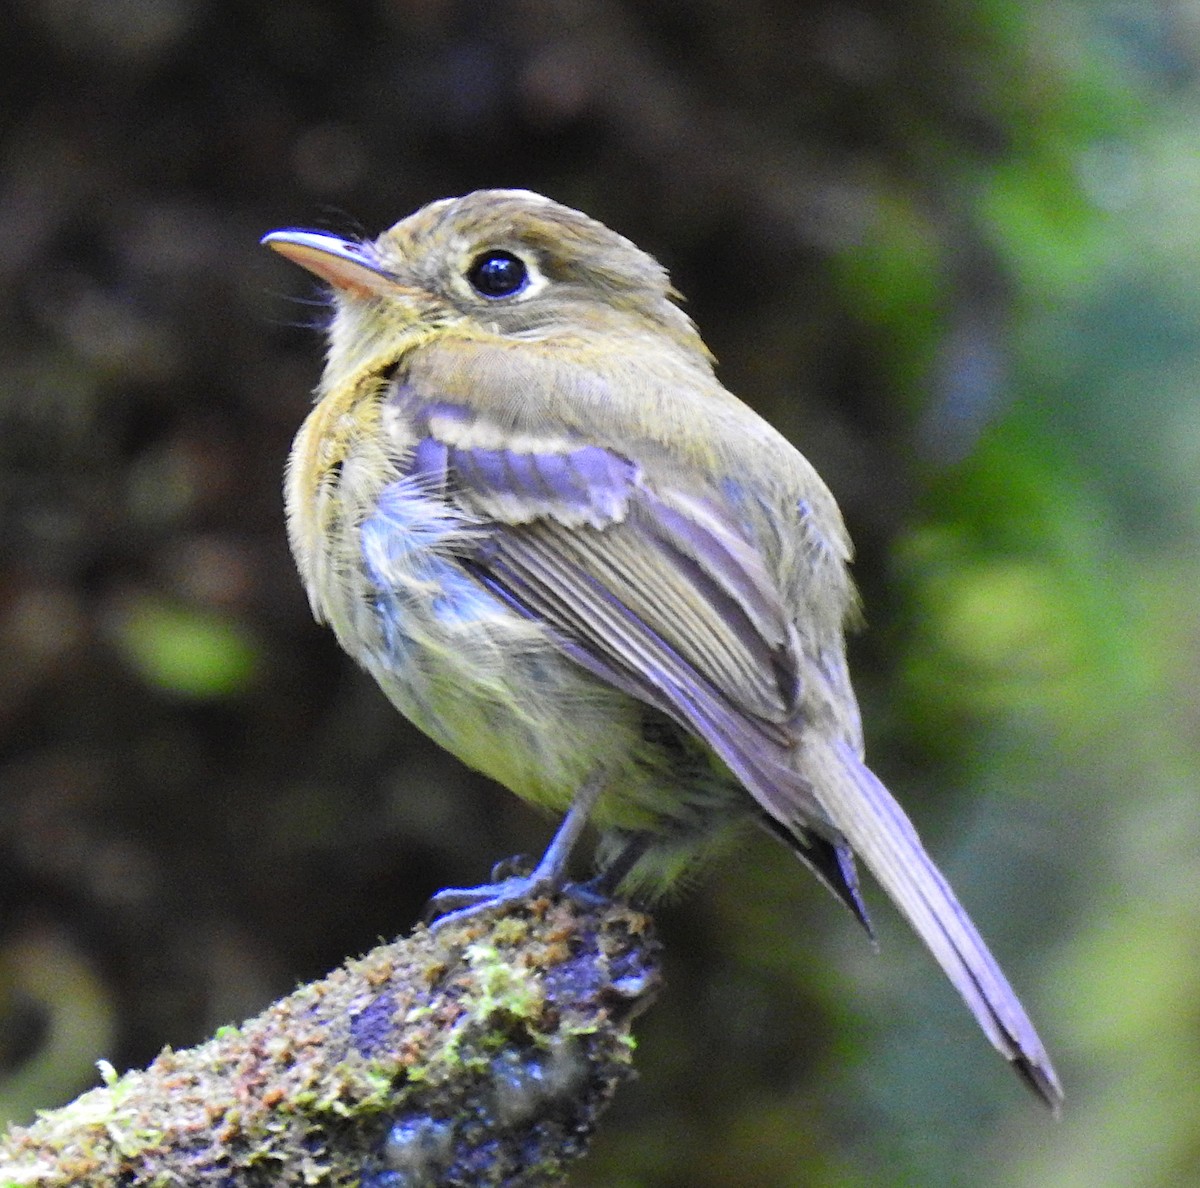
603 886
456 903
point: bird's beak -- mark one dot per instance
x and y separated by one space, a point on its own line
346 264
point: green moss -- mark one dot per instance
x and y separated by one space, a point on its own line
515 1046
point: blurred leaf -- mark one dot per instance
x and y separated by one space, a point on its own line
185 651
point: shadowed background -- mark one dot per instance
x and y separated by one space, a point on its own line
951 250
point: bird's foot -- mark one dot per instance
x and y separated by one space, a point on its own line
592 894
455 904
511 885
512 880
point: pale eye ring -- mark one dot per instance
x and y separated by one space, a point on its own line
498 274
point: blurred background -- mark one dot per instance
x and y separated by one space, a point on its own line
952 248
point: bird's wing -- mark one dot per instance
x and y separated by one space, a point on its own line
660 596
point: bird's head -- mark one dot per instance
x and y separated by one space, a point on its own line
506 264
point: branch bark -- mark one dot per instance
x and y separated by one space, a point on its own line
482 1053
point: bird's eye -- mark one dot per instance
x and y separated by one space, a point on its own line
497 274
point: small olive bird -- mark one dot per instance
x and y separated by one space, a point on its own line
528 508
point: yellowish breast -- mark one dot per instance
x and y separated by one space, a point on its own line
340 460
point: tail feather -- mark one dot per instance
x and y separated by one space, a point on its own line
882 835
831 862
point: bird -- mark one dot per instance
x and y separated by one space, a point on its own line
526 505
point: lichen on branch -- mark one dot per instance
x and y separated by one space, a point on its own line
480 1053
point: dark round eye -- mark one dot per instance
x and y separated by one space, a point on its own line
497 274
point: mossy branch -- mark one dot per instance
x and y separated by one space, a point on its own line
481 1053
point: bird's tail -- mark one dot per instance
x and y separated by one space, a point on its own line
882 835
